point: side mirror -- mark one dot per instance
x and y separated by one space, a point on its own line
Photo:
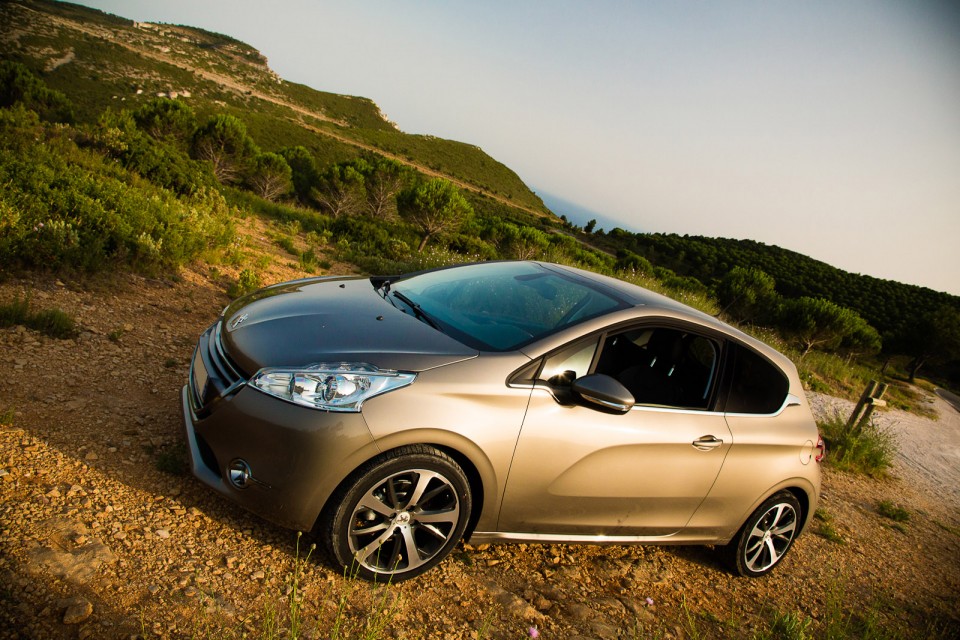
604 391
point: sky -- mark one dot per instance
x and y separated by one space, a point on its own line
829 127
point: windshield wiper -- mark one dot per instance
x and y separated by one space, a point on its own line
417 311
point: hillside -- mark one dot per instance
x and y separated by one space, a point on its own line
157 99
889 306
103 61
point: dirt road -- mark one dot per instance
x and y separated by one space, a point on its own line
928 451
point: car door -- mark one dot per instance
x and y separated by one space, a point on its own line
580 470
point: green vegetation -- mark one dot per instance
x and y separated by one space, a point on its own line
825 526
247 282
867 449
64 206
157 183
19 86
913 322
50 322
786 626
836 622
433 207
892 511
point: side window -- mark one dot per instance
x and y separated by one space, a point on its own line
756 385
662 366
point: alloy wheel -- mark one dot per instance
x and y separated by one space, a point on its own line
403 521
770 537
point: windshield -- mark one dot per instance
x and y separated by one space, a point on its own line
501 306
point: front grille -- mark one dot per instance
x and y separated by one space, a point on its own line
212 375
218 358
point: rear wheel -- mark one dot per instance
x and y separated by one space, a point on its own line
399 515
766 536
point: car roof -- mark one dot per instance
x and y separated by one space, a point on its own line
658 305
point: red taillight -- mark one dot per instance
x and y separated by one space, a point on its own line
821 449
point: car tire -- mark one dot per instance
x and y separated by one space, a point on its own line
398 515
766 536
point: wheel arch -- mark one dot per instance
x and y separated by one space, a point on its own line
804 501
805 493
475 465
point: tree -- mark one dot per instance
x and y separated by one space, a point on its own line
160 161
223 141
304 173
748 294
434 207
529 243
861 340
340 190
18 85
819 323
590 226
166 119
383 184
934 337
270 176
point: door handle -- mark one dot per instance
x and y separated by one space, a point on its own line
706 443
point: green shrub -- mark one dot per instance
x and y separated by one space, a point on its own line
286 243
158 160
868 450
54 323
67 207
247 282
825 526
894 512
14 313
50 322
308 261
19 86
787 626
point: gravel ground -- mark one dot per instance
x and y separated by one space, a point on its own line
928 451
102 535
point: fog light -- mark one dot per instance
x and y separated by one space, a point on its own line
239 474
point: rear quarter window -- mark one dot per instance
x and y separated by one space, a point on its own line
756 385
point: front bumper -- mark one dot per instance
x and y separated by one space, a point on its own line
297 456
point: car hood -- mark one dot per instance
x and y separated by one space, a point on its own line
331 320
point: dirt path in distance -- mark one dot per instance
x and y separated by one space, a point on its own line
928 450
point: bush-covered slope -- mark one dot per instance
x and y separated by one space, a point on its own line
102 61
889 306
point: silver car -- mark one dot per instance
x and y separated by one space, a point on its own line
501 402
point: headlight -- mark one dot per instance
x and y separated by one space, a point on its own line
331 387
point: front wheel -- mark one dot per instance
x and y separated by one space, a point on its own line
399 515
766 536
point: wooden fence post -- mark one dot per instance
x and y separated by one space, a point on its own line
858 410
871 398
